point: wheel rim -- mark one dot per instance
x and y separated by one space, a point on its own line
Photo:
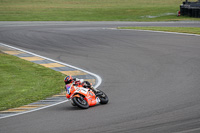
81 101
103 96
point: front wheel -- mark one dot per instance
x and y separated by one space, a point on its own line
80 102
103 97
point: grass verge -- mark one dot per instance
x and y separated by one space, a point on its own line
24 82
91 10
191 30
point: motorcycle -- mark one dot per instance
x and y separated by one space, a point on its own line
84 97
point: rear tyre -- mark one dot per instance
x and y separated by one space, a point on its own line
103 97
80 102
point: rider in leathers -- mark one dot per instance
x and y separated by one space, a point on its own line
85 84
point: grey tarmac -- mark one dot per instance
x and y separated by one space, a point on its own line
152 79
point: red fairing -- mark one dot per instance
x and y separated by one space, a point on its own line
76 91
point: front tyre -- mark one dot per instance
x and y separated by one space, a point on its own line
103 97
80 102
73 104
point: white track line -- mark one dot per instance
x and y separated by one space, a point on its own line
188 131
99 80
156 31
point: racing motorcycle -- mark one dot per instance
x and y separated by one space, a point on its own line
84 97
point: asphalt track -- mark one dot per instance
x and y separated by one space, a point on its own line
152 79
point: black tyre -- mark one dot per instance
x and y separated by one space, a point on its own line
80 102
103 97
73 104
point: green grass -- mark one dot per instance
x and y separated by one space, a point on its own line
191 30
23 82
90 10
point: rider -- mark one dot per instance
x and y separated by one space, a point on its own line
85 84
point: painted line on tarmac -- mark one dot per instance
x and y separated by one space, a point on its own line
52 64
189 131
177 33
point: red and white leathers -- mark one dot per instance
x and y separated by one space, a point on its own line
76 81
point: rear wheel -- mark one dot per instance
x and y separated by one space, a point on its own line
103 97
80 102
